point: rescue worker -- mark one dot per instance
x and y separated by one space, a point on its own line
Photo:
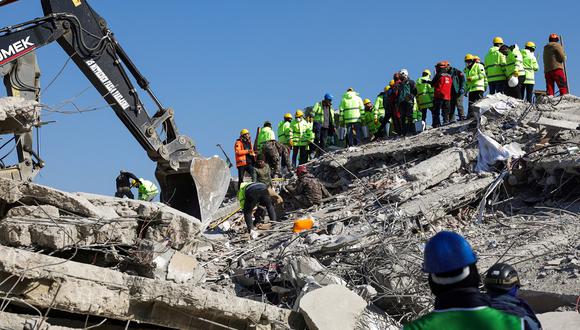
284 137
454 280
531 66
323 122
554 61
123 184
502 284
495 63
380 110
267 146
251 195
244 156
308 190
442 84
475 86
369 120
424 94
514 68
350 110
457 92
301 136
391 111
406 92
147 189
263 172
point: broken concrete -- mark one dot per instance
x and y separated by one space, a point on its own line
560 320
18 114
17 321
40 211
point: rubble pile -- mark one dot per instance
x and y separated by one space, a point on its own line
508 181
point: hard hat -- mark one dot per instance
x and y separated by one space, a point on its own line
392 83
244 131
404 72
498 40
133 182
328 97
469 57
386 88
301 170
298 113
513 82
365 101
350 89
530 44
554 36
288 116
427 71
501 277
447 251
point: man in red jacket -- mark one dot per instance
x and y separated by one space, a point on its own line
442 83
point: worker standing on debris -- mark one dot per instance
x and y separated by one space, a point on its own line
301 136
244 156
323 122
380 111
308 190
250 195
457 92
350 110
369 120
123 184
406 92
284 137
442 84
531 66
502 284
454 280
267 146
147 189
514 70
554 62
425 94
391 113
495 63
475 86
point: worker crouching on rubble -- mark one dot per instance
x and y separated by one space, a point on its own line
124 185
147 189
308 191
256 194
502 284
454 280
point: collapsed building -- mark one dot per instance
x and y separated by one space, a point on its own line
508 181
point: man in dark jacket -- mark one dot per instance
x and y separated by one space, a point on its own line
457 92
502 283
252 195
554 58
405 101
123 184
308 191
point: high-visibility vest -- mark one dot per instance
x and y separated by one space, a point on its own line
530 65
242 194
379 106
266 134
476 318
350 108
284 132
368 119
147 190
302 134
424 93
495 65
475 78
318 112
514 62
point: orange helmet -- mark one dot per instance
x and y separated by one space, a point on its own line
442 64
554 36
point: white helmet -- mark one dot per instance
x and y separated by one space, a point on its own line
513 82
404 72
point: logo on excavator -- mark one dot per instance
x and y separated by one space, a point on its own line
111 88
17 49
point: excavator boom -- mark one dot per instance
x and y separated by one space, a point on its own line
188 181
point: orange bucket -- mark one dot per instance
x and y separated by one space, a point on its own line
302 225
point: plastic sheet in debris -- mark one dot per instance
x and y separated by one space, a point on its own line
490 151
498 102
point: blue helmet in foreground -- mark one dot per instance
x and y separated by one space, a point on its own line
447 251
328 97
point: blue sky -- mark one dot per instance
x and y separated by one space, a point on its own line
227 65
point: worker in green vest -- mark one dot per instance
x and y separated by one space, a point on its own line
284 137
514 70
531 66
475 82
350 110
323 122
424 93
147 189
494 67
369 120
302 136
454 279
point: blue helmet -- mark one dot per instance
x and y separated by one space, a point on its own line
328 97
447 251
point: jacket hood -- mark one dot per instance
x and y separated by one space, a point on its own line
494 49
350 95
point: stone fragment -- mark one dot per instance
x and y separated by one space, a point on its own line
560 320
40 211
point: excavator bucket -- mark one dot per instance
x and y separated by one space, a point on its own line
198 192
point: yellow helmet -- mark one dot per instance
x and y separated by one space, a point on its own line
427 71
392 83
531 44
244 131
298 113
288 116
366 101
469 57
476 58
498 40
133 182
386 88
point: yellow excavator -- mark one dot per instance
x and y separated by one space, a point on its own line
188 182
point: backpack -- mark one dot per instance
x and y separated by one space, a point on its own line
404 91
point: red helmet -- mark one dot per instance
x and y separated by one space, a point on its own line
301 170
554 36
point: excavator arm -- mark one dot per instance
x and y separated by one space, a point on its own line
188 182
